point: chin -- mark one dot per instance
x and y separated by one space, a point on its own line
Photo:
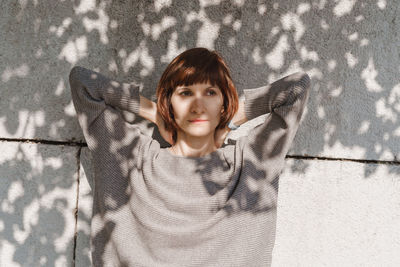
198 132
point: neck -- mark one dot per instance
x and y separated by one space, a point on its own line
194 147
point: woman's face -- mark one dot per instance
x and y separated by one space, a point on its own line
200 101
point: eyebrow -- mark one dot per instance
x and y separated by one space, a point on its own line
206 88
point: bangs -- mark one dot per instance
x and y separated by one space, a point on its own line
202 72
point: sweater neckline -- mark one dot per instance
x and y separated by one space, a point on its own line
204 157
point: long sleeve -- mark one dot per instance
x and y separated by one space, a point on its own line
98 101
285 99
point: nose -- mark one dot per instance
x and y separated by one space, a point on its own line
197 105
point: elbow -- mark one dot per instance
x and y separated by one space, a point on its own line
306 82
301 79
74 73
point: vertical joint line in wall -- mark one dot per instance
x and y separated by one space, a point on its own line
78 163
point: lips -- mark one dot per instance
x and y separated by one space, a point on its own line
197 120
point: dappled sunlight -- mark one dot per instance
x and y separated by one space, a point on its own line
348 47
75 50
343 7
275 59
85 6
59 31
173 49
39 186
384 111
368 75
28 122
289 21
159 4
208 32
156 29
139 55
21 72
101 25
308 55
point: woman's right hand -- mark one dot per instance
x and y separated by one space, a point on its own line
167 135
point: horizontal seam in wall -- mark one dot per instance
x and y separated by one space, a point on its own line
371 161
82 144
45 142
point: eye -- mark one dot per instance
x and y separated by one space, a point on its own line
184 93
187 93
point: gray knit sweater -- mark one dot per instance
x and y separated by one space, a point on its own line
154 208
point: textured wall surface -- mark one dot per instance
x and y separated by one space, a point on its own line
339 198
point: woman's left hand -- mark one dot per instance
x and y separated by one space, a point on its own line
220 135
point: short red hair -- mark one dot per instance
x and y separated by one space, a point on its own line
196 65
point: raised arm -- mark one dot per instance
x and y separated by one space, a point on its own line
92 88
267 145
96 99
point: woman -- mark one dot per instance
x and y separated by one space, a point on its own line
199 202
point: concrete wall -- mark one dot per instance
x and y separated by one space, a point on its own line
339 198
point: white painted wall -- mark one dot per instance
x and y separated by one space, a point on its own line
343 211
